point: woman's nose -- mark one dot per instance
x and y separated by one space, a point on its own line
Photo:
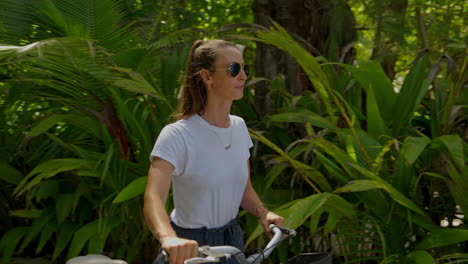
242 75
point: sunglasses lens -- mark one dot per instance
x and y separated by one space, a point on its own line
234 69
246 70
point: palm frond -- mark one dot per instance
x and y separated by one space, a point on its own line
95 20
16 21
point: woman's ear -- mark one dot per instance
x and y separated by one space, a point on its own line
206 77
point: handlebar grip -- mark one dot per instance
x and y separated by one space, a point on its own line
201 260
271 226
290 232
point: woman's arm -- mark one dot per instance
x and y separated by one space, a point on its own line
252 203
157 189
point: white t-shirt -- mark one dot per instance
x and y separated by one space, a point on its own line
208 180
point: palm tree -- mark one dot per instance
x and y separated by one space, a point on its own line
90 95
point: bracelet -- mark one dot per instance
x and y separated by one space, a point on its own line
256 206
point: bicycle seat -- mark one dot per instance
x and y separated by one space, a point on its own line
94 259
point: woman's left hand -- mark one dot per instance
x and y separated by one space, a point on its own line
270 218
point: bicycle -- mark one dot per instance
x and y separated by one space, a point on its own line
219 253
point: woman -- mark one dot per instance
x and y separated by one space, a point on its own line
206 156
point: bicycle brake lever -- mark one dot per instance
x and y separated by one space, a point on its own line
206 251
284 231
166 256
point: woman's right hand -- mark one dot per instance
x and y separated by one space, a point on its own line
179 249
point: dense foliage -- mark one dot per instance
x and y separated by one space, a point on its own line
369 168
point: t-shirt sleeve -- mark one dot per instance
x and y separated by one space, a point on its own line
170 146
247 138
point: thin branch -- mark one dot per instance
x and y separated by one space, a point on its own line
421 29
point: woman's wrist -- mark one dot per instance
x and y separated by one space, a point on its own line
260 211
165 235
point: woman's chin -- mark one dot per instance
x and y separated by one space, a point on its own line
237 96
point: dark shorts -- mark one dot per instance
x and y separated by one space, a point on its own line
228 235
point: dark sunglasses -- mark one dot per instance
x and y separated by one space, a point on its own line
235 68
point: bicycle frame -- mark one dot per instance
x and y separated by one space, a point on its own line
212 254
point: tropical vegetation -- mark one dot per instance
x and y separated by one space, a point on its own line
370 168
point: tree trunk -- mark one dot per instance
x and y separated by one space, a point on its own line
324 28
389 34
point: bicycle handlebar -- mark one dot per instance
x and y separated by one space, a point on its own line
213 254
279 234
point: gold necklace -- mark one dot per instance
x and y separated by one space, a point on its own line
221 140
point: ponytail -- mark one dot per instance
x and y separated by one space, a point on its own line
202 55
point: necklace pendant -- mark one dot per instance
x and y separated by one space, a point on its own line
228 147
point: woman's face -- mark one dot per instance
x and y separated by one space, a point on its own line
224 86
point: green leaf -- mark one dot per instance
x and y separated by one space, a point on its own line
49 169
404 176
380 93
64 206
333 170
421 257
457 256
176 37
10 174
379 160
279 37
16 20
338 154
273 174
97 20
443 237
304 208
409 98
101 227
375 122
46 124
376 201
454 146
84 122
46 234
137 83
36 227
10 241
456 45
64 235
351 151
312 174
47 189
32 213
58 18
314 220
307 172
364 185
297 212
333 219
107 161
413 147
81 237
435 175
257 135
458 185
396 258
303 116
370 145
133 189
97 241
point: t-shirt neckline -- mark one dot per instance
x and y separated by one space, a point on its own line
203 122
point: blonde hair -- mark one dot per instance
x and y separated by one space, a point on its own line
194 93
